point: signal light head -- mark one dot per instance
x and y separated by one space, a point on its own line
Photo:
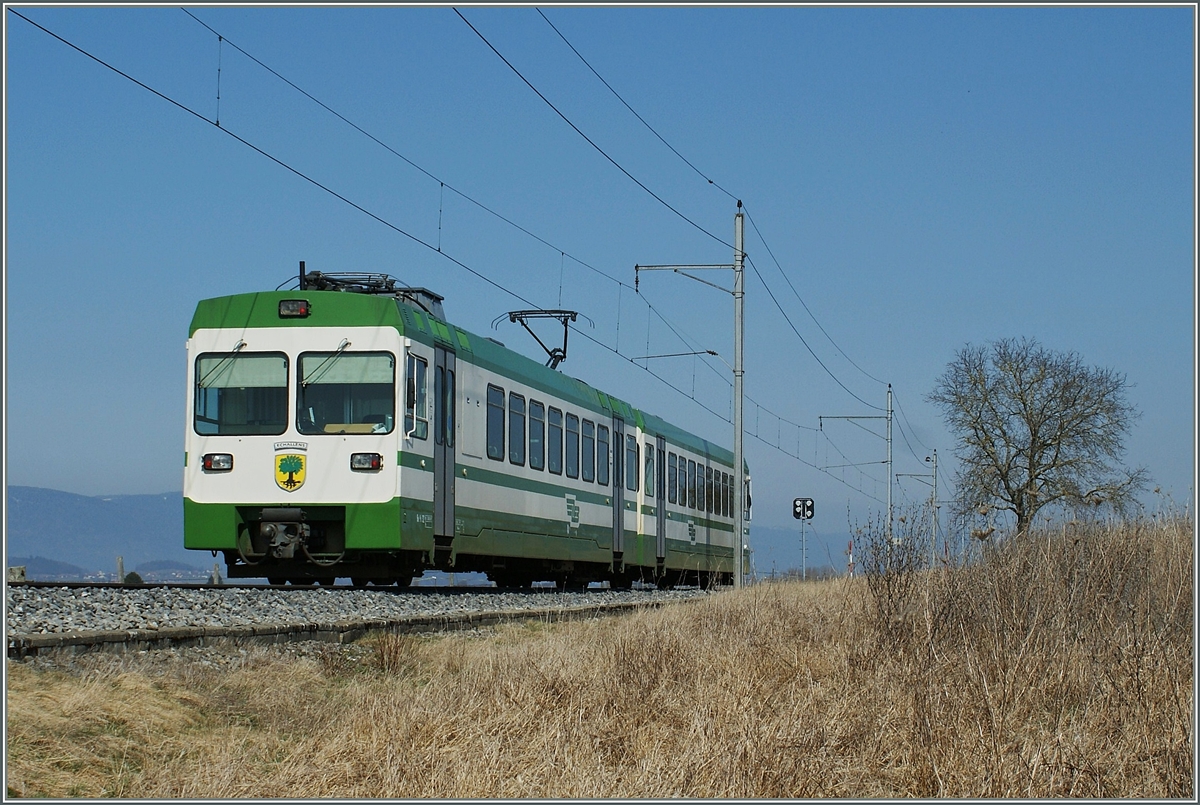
366 462
217 462
294 309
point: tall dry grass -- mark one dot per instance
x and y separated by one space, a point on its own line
1044 670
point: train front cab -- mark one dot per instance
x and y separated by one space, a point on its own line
297 464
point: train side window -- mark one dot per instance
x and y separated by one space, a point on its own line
572 446
728 506
537 435
682 480
416 412
672 477
602 455
631 463
588 470
516 429
650 469
495 423
691 484
708 490
554 443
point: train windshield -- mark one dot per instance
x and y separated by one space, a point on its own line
240 393
346 392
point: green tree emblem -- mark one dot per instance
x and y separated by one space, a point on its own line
291 465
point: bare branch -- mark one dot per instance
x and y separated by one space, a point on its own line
1037 428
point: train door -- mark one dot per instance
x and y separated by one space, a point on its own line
706 482
660 504
444 410
618 500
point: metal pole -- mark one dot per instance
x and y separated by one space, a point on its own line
803 553
738 460
933 501
889 462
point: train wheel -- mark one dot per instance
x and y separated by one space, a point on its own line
358 582
404 581
278 581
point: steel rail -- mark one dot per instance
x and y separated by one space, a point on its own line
341 631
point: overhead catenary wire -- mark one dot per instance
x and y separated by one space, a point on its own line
432 247
445 185
821 363
589 140
906 419
707 179
800 299
633 111
442 186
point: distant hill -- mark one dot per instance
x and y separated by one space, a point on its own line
91 532
42 569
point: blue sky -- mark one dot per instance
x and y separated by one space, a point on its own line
925 177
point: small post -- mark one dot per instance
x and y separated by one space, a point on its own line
120 570
216 574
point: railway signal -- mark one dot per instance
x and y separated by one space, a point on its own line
802 508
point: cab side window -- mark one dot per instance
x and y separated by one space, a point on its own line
416 412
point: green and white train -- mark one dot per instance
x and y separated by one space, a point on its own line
346 429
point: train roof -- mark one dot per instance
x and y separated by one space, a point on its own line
409 312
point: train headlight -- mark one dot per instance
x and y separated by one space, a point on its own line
294 309
217 462
366 462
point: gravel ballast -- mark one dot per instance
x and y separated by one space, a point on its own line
60 610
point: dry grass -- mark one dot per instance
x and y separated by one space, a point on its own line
1040 672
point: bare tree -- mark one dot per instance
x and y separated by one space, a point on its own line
1037 428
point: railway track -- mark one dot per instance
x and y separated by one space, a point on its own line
203 585
80 617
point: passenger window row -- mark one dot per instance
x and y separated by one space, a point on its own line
698 487
551 441
548 439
